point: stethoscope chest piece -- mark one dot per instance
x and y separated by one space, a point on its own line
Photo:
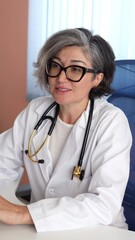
77 172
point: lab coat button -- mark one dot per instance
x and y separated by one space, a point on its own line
52 192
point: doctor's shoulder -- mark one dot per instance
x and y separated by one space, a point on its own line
110 112
40 102
33 110
37 107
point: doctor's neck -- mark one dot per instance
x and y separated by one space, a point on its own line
70 114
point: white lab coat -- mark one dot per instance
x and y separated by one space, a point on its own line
59 203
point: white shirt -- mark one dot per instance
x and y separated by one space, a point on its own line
57 202
56 143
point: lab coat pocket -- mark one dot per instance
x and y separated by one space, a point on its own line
77 186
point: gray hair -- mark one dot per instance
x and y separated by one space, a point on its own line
98 51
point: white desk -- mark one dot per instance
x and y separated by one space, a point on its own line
22 232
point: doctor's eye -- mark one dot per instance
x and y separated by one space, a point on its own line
53 68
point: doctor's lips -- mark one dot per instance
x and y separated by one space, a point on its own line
63 89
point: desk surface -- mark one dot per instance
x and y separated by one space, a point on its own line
21 232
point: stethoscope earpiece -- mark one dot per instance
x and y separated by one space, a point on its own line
34 161
26 151
41 161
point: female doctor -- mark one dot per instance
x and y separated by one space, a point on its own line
74 144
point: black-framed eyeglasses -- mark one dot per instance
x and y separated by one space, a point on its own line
73 73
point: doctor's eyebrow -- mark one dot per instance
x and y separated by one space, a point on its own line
72 61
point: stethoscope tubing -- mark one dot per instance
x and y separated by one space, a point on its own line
86 133
77 171
44 116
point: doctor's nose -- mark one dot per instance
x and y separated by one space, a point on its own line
62 77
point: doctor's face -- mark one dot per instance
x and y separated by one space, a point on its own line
64 91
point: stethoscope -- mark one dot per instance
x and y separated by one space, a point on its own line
77 170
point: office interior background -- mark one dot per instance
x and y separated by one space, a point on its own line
25 25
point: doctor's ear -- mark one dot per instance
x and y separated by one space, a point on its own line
99 77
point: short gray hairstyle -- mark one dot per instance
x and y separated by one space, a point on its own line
97 50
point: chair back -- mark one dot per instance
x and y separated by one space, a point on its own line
124 98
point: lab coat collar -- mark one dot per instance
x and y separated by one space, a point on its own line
45 102
81 122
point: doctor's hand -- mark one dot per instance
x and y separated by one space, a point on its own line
14 214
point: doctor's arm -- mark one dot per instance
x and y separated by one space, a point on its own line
14 214
11 162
